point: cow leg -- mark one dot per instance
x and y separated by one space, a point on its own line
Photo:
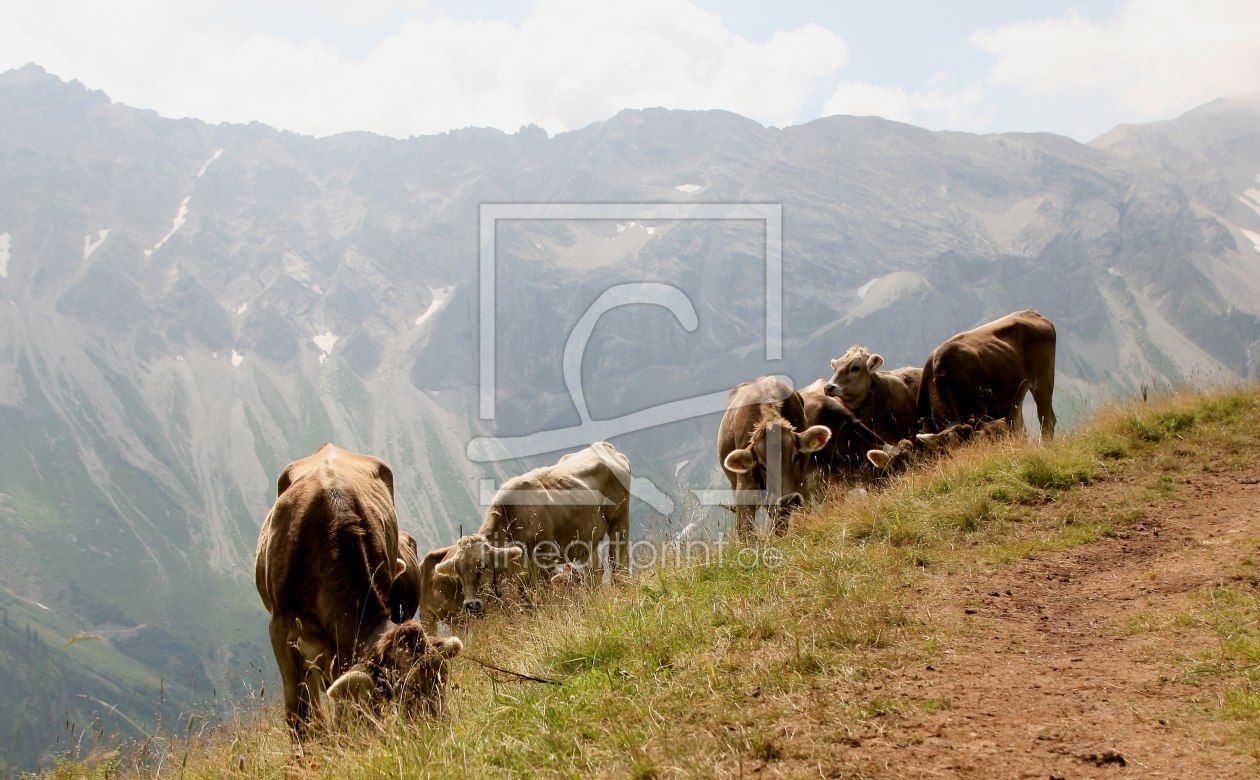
296 709
945 411
618 542
744 517
1042 394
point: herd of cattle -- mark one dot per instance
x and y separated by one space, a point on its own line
343 584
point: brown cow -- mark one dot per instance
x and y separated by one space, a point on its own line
893 458
556 514
764 446
844 454
887 402
326 561
441 598
986 371
972 430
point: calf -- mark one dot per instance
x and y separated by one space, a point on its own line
403 665
326 560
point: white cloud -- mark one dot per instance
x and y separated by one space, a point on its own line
1156 57
937 107
569 62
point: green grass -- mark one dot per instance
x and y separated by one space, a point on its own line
709 670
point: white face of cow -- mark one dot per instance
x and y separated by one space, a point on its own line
851 380
474 562
779 458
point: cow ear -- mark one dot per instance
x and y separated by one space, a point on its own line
355 685
879 458
813 439
447 567
930 440
515 553
400 567
740 461
448 647
874 362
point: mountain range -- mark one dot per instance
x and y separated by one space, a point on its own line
186 307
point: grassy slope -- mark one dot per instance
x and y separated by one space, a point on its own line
695 671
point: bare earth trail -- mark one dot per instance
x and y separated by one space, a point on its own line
1039 677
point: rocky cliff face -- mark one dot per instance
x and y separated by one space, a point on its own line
185 308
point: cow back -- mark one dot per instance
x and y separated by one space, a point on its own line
561 503
326 551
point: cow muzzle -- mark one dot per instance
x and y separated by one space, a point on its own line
832 389
473 606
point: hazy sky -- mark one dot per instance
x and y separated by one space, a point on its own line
407 67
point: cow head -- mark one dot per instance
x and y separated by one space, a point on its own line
778 459
947 439
473 562
893 458
851 382
988 428
403 664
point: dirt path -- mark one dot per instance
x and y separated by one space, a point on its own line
1042 680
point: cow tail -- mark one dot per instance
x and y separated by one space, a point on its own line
379 578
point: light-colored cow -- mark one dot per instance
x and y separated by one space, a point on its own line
554 515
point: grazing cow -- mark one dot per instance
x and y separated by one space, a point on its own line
764 446
948 439
990 429
887 402
404 597
986 371
893 458
557 514
325 565
971 430
441 598
844 454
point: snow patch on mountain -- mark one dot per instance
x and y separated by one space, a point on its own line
882 292
4 255
213 157
1254 238
180 217
89 246
325 342
440 296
